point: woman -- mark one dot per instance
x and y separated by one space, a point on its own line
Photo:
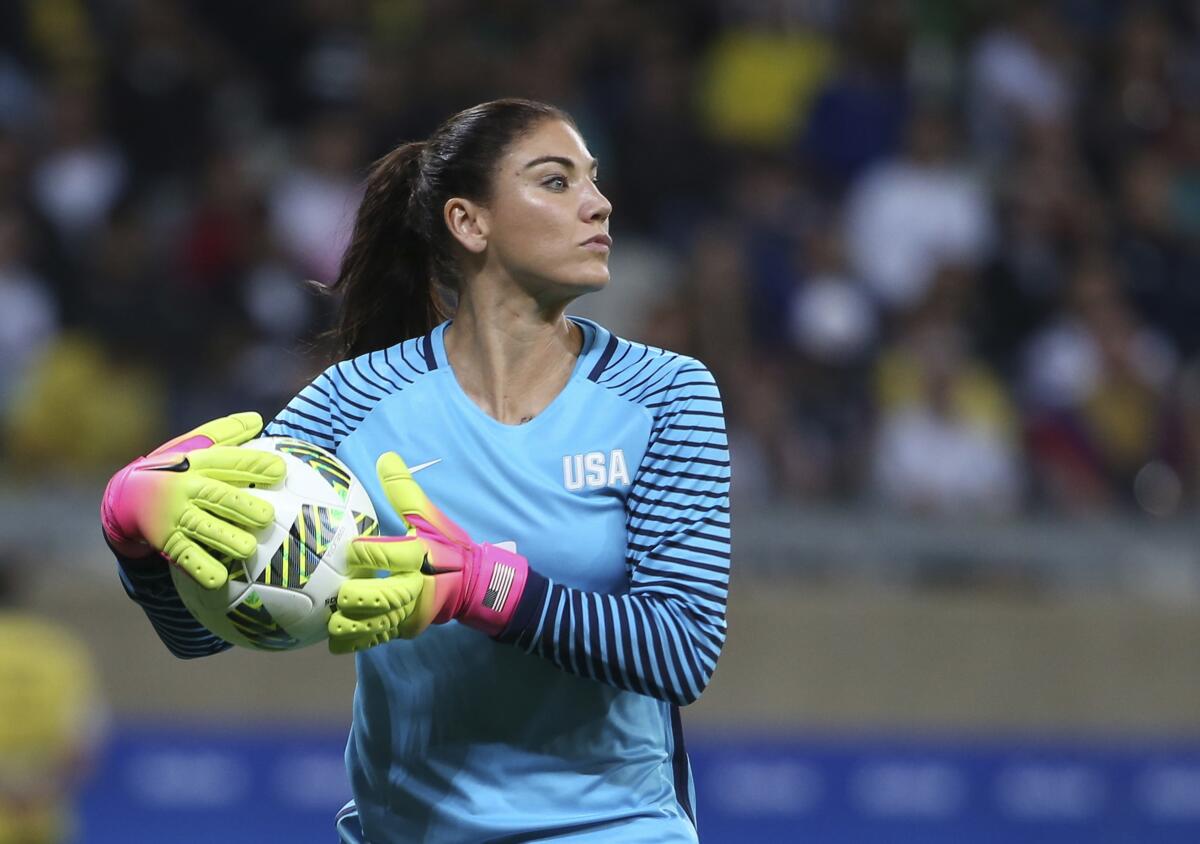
550 709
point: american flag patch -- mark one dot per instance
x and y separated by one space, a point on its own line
497 591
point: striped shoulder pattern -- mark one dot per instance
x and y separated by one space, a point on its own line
337 401
663 637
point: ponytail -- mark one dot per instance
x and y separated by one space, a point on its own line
386 278
399 271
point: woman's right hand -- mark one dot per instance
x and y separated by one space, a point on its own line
185 499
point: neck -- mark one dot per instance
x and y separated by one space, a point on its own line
512 357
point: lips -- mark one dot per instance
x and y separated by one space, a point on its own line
600 239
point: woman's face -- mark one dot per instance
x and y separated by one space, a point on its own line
547 221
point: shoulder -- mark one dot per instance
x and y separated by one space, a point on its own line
341 397
379 373
649 376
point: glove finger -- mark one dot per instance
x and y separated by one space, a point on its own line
391 554
410 501
222 537
238 466
392 596
197 562
353 644
341 626
424 610
402 492
342 646
232 504
235 429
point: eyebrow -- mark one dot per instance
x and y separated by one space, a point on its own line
558 159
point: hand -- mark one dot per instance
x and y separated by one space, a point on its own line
183 499
435 573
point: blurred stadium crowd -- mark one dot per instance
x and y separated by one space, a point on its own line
940 254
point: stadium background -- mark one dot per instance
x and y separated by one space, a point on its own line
939 254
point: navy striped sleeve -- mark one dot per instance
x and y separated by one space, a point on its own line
152 589
663 637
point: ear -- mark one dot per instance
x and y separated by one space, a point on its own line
468 223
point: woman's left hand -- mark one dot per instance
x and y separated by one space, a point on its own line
400 585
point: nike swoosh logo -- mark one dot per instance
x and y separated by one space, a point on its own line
415 469
181 466
430 569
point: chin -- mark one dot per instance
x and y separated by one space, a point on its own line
596 278
591 287
571 285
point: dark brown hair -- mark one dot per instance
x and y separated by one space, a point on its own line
399 264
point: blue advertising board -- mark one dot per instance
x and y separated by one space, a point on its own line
254 785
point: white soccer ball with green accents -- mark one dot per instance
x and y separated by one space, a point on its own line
282 596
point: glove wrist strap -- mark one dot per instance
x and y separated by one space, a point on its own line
494 592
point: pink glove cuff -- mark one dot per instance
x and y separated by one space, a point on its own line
493 594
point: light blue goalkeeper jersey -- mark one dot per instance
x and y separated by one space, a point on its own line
567 725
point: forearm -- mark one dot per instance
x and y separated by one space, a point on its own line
149 585
644 642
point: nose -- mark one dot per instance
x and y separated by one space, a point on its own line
595 207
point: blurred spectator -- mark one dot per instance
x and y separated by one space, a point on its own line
908 216
832 319
80 385
1184 150
158 89
766 446
18 99
759 81
313 204
216 241
125 284
1131 104
1185 442
333 64
82 173
663 164
834 329
282 310
1096 384
716 285
772 206
1159 265
946 442
858 117
1049 207
1020 77
792 204
51 720
28 318
14 169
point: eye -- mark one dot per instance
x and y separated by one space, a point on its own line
556 182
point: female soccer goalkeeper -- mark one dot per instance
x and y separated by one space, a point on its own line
538 697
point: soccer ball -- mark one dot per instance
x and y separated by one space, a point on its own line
282 596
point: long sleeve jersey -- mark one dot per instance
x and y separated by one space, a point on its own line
567 723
